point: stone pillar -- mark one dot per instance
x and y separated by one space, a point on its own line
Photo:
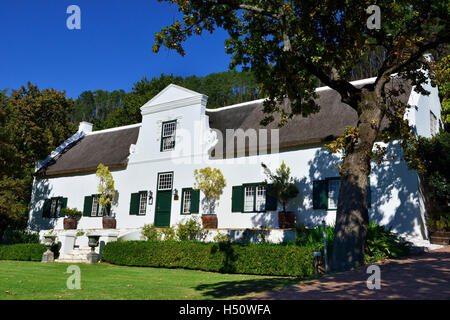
67 238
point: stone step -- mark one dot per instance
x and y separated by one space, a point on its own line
65 260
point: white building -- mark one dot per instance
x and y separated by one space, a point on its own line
154 160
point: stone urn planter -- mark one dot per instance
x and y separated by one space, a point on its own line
286 220
49 241
93 242
440 237
70 223
209 221
109 222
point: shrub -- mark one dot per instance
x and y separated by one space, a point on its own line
150 232
191 229
24 251
221 237
168 234
73 213
382 244
262 259
19 236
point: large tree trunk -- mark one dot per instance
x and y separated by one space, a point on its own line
352 217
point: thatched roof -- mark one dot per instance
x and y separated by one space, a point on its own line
110 148
326 125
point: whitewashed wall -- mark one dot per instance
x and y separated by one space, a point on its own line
394 188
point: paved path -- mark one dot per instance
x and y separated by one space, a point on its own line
425 276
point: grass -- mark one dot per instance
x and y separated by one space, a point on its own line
23 280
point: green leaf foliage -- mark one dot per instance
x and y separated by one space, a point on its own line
262 259
24 252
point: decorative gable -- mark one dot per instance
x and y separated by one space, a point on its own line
173 97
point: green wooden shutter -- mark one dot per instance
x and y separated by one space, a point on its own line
87 208
271 201
63 205
46 208
195 201
134 203
369 194
320 194
237 199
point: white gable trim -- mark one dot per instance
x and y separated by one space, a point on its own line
115 129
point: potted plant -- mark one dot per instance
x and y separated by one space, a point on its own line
211 182
71 218
282 188
107 193
440 229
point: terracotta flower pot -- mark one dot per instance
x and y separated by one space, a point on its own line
209 221
70 224
286 220
109 223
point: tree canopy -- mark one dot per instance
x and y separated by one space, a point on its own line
32 124
292 45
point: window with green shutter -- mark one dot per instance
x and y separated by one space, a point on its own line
46 208
251 197
63 205
271 201
320 194
325 193
190 201
195 201
134 203
237 199
87 207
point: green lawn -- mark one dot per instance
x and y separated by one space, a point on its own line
34 280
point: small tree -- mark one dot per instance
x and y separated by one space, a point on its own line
283 187
211 182
105 187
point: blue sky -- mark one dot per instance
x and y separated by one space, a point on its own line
112 50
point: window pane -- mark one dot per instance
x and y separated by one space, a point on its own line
143 203
169 129
187 202
54 208
248 199
261 198
333 193
165 181
94 206
168 135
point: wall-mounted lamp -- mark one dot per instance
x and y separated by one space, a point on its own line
175 194
150 197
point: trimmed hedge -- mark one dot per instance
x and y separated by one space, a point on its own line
261 259
24 251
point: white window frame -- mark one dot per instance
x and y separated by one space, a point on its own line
143 202
163 183
168 131
187 201
249 198
95 207
333 193
260 198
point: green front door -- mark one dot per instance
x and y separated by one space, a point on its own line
163 200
